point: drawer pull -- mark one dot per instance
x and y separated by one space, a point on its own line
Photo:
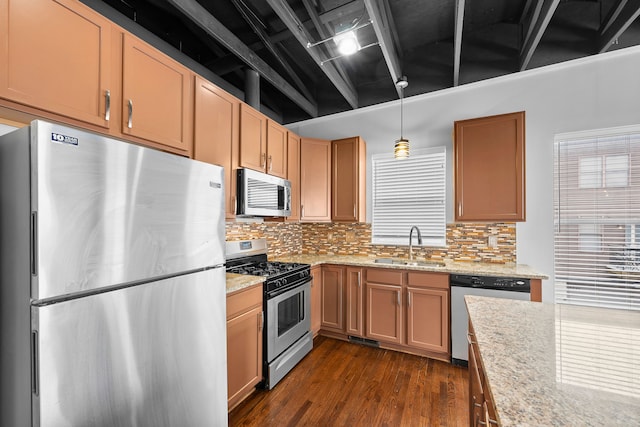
107 105
130 119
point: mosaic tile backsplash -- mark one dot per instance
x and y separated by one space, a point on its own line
465 241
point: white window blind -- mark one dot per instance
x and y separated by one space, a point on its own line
408 192
597 213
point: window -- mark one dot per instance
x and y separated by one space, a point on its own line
597 217
409 192
614 174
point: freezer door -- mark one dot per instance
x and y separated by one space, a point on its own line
149 355
108 212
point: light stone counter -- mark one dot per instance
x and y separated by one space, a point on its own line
559 365
237 282
486 269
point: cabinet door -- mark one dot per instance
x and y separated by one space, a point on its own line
384 312
348 180
55 55
253 138
428 319
244 354
355 305
315 180
476 394
216 134
332 298
316 300
490 161
276 149
293 174
157 96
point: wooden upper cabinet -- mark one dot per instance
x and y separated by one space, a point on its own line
253 138
348 188
216 118
157 96
276 149
293 174
490 168
56 56
315 180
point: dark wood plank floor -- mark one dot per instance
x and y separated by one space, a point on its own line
346 384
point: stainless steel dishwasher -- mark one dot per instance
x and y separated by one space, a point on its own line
489 286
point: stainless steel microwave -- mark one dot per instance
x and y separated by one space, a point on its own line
259 194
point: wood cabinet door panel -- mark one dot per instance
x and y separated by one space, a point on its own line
156 96
348 180
490 161
315 180
355 305
216 134
276 149
428 319
244 354
56 56
384 312
332 298
293 175
253 138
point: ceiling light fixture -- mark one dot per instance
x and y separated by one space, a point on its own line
401 149
347 42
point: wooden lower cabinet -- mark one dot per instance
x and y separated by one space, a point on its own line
428 311
316 299
244 343
332 298
402 310
482 411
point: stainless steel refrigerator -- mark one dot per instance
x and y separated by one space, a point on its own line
112 300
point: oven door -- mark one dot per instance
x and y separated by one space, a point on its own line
288 319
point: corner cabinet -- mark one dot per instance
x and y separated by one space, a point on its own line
244 343
490 168
348 180
315 180
216 120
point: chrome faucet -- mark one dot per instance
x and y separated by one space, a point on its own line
411 241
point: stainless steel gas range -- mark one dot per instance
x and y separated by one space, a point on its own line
287 304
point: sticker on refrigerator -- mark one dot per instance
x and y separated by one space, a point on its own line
63 139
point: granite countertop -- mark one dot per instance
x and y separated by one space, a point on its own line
453 267
238 282
557 364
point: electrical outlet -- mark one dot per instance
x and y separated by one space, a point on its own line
493 241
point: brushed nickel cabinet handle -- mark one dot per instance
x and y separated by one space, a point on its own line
130 119
398 292
358 279
107 105
408 299
263 158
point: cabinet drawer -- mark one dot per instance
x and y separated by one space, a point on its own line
430 280
244 300
393 277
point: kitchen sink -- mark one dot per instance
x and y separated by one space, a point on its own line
416 263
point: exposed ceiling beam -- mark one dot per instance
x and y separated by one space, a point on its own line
618 23
383 29
537 28
341 11
457 41
288 17
262 35
207 22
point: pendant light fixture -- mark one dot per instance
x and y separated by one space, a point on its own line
401 149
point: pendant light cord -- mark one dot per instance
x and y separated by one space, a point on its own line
401 112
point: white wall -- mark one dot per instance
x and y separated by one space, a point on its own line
590 93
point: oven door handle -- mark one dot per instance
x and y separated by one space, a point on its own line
274 293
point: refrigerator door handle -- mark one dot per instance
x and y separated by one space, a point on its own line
34 243
35 363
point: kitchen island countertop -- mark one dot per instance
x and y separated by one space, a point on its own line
558 364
